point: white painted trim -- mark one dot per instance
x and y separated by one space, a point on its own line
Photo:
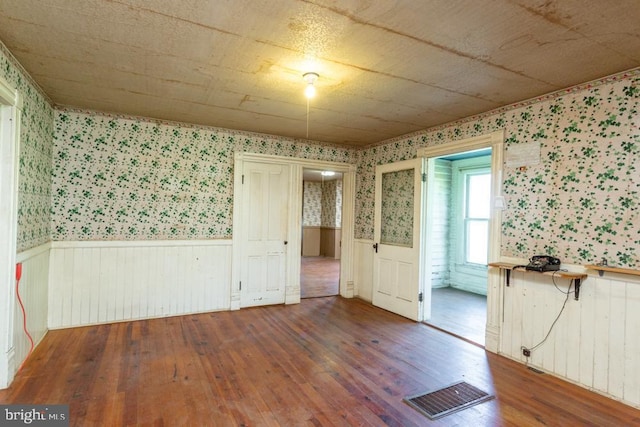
137 243
463 145
495 290
295 232
33 252
10 112
294 226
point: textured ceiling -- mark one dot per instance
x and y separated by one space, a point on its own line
387 68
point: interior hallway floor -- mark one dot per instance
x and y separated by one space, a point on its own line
460 313
319 277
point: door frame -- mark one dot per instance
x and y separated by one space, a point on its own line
10 111
495 140
294 222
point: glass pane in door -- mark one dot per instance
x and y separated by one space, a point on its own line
397 208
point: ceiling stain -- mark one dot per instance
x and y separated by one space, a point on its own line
439 46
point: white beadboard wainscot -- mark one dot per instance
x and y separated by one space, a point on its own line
363 269
596 340
33 292
102 282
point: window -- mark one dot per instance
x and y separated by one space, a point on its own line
476 208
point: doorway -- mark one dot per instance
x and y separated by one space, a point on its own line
293 235
493 225
321 233
461 192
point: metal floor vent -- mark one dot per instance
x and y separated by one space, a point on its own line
447 400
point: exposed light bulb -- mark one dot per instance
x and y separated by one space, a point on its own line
310 91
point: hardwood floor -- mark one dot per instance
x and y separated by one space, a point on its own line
319 277
458 312
325 361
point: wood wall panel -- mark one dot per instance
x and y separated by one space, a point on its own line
330 242
363 274
33 292
310 241
99 282
594 343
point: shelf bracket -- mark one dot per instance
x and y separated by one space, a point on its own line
576 284
508 276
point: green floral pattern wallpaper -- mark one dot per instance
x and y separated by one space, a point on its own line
331 210
123 178
396 225
311 204
90 176
581 202
36 144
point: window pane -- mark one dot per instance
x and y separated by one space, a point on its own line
477 241
478 195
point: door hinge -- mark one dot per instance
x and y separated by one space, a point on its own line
240 286
424 177
243 179
420 297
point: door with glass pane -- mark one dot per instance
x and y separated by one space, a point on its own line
397 275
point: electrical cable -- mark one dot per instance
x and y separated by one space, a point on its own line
24 314
569 292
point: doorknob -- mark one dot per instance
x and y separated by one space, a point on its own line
285 242
375 246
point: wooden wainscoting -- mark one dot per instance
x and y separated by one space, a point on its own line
325 361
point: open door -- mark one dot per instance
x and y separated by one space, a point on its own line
397 275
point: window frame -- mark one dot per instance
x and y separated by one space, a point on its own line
461 170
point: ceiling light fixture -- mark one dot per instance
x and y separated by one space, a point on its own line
327 173
310 90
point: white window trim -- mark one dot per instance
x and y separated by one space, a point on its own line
460 169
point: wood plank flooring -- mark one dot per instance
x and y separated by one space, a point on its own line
325 361
458 312
319 277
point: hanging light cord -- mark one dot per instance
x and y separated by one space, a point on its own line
307 118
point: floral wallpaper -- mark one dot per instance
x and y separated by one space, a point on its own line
124 178
91 176
581 202
332 203
397 208
36 143
311 204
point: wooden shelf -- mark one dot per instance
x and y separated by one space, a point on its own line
576 277
602 268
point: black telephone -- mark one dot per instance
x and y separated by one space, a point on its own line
543 263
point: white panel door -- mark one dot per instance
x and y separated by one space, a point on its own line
397 274
265 192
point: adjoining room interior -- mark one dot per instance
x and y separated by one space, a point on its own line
157 265
321 233
460 207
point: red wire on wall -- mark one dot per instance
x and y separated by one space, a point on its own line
24 313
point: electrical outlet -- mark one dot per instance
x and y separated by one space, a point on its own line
526 352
